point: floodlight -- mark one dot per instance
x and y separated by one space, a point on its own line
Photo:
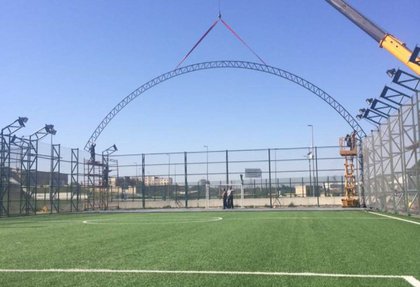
50 129
22 121
391 72
369 101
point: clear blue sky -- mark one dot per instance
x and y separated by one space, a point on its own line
69 63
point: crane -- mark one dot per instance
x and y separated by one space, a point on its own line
387 41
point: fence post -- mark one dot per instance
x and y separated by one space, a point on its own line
269 177
143 172
316 176
227 167
186 179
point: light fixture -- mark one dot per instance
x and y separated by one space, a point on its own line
13 127
22 121
50 129
391 72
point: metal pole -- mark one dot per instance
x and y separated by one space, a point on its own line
316 168
275 167
269 177
207 163
169 177
227 167
312 157
310 175
186 179
143 172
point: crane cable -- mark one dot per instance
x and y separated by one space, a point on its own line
230 29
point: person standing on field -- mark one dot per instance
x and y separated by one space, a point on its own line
230 197
225 198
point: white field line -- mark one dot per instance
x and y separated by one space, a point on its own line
413 281
121 222
410 279
396 218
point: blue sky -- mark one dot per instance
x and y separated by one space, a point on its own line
69 63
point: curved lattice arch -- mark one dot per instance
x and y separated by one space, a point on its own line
227 64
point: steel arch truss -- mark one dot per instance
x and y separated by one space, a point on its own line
227 64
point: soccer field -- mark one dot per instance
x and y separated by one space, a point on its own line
268 248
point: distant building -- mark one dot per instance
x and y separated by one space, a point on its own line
157 181
132 181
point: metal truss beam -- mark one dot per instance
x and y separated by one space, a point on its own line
227 64
407 81
394 96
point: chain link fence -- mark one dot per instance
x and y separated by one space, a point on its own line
37 177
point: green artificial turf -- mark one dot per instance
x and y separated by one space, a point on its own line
337 242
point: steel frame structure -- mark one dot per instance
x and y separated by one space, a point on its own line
7 138
55 178
392 153
94 178
104 191
29 169
4 174
29 178
74 180
227 64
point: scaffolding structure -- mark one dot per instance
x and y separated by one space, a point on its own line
29 177
93 172
75 190
348 150
55 182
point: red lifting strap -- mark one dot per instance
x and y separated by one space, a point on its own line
208 31
243 42
199 41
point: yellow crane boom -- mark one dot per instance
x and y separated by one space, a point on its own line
387 41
